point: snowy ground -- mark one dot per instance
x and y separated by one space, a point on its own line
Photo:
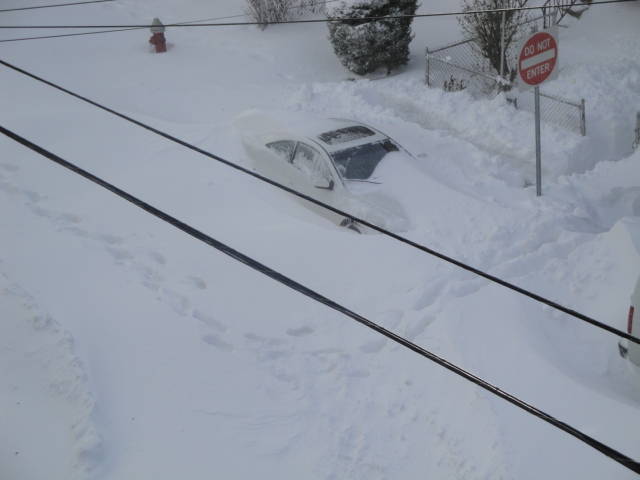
130 351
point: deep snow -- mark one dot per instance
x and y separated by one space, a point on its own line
129 350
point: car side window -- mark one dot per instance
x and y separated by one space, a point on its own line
283 148
310 162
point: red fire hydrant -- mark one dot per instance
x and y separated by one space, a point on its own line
157 36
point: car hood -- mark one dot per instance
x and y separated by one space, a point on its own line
388 197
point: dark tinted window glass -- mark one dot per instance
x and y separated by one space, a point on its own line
347 134
358 163
283 148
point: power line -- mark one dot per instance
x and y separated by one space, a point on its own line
111 31
294 285
43 37
320 20
52 6
68 35
310 199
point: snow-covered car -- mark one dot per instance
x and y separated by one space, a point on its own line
336 161
629 349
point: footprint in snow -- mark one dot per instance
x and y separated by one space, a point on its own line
42 212
300 331
208 320
391 318
32 197
373 346
76 231
417 327
150 278
158 257
119 254
9 168
67 218
429 296
263 341
197 282
110 239
358 373
178 303
217 342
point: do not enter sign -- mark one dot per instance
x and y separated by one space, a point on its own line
536 64
538 59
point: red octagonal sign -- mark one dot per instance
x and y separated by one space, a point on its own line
538 58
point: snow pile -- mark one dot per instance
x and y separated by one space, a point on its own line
45 405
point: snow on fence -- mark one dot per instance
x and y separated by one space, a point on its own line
461 66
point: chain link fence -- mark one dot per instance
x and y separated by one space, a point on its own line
554 109
462 66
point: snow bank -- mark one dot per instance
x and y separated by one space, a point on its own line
490 125
46 407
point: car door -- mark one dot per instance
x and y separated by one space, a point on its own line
316 179
277 164
313 166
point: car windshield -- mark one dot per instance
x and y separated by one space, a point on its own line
358 163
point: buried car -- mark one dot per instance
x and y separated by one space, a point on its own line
629 349
335 161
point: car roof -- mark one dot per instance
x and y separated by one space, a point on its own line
343 133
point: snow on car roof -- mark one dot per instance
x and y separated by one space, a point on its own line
336 134
348 141
333 134
346 134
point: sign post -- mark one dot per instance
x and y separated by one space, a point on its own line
537 64
538 144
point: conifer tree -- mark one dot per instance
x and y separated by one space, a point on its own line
487 29
363 46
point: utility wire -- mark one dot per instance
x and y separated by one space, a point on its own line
142 28
52 6
68 35
114 30
319 20
372 226
294 285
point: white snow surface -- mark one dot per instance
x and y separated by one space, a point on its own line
129 350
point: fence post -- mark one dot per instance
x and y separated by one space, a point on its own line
583 119
428 66
636 142
502 52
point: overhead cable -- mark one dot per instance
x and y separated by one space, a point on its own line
43 37
317 20
98 32
388 233
300 288
52 6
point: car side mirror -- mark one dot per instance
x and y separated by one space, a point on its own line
326 185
